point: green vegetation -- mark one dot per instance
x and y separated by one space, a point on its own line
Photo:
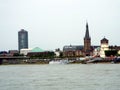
118 54
17 54
111 52
47 55
61 55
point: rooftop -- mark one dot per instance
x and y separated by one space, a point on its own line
37 49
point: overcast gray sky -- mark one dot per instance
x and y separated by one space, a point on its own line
54 23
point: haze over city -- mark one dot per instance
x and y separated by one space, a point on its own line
52 24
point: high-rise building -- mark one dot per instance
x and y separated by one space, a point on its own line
22 39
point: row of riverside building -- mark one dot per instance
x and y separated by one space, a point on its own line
68 50
87 49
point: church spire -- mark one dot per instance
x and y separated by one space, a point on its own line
87 36
87 41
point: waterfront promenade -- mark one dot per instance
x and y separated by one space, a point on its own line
26 60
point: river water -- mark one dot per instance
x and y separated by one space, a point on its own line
60 77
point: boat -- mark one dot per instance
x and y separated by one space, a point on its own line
95 60
59 62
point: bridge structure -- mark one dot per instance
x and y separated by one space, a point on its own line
12 59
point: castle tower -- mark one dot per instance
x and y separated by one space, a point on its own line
104 47
87 41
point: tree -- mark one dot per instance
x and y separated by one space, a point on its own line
17 54
61 54
111 52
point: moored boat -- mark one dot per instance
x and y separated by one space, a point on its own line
59 62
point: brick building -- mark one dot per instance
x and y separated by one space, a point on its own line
80 50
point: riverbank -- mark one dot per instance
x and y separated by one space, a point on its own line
46 62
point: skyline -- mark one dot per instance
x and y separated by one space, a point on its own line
52 24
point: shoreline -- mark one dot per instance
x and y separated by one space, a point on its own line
46 61
56 64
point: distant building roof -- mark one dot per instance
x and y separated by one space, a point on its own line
76 47
72 48
96 46
37 49
22 30
104 39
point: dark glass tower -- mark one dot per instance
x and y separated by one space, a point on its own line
22 39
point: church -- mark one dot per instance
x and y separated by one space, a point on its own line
80 50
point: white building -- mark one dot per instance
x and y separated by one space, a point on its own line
96 51
25 51
57 52
119 52
104 47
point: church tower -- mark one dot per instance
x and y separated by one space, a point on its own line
87 41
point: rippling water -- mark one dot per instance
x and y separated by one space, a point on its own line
60 77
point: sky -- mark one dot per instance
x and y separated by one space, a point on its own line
52 24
